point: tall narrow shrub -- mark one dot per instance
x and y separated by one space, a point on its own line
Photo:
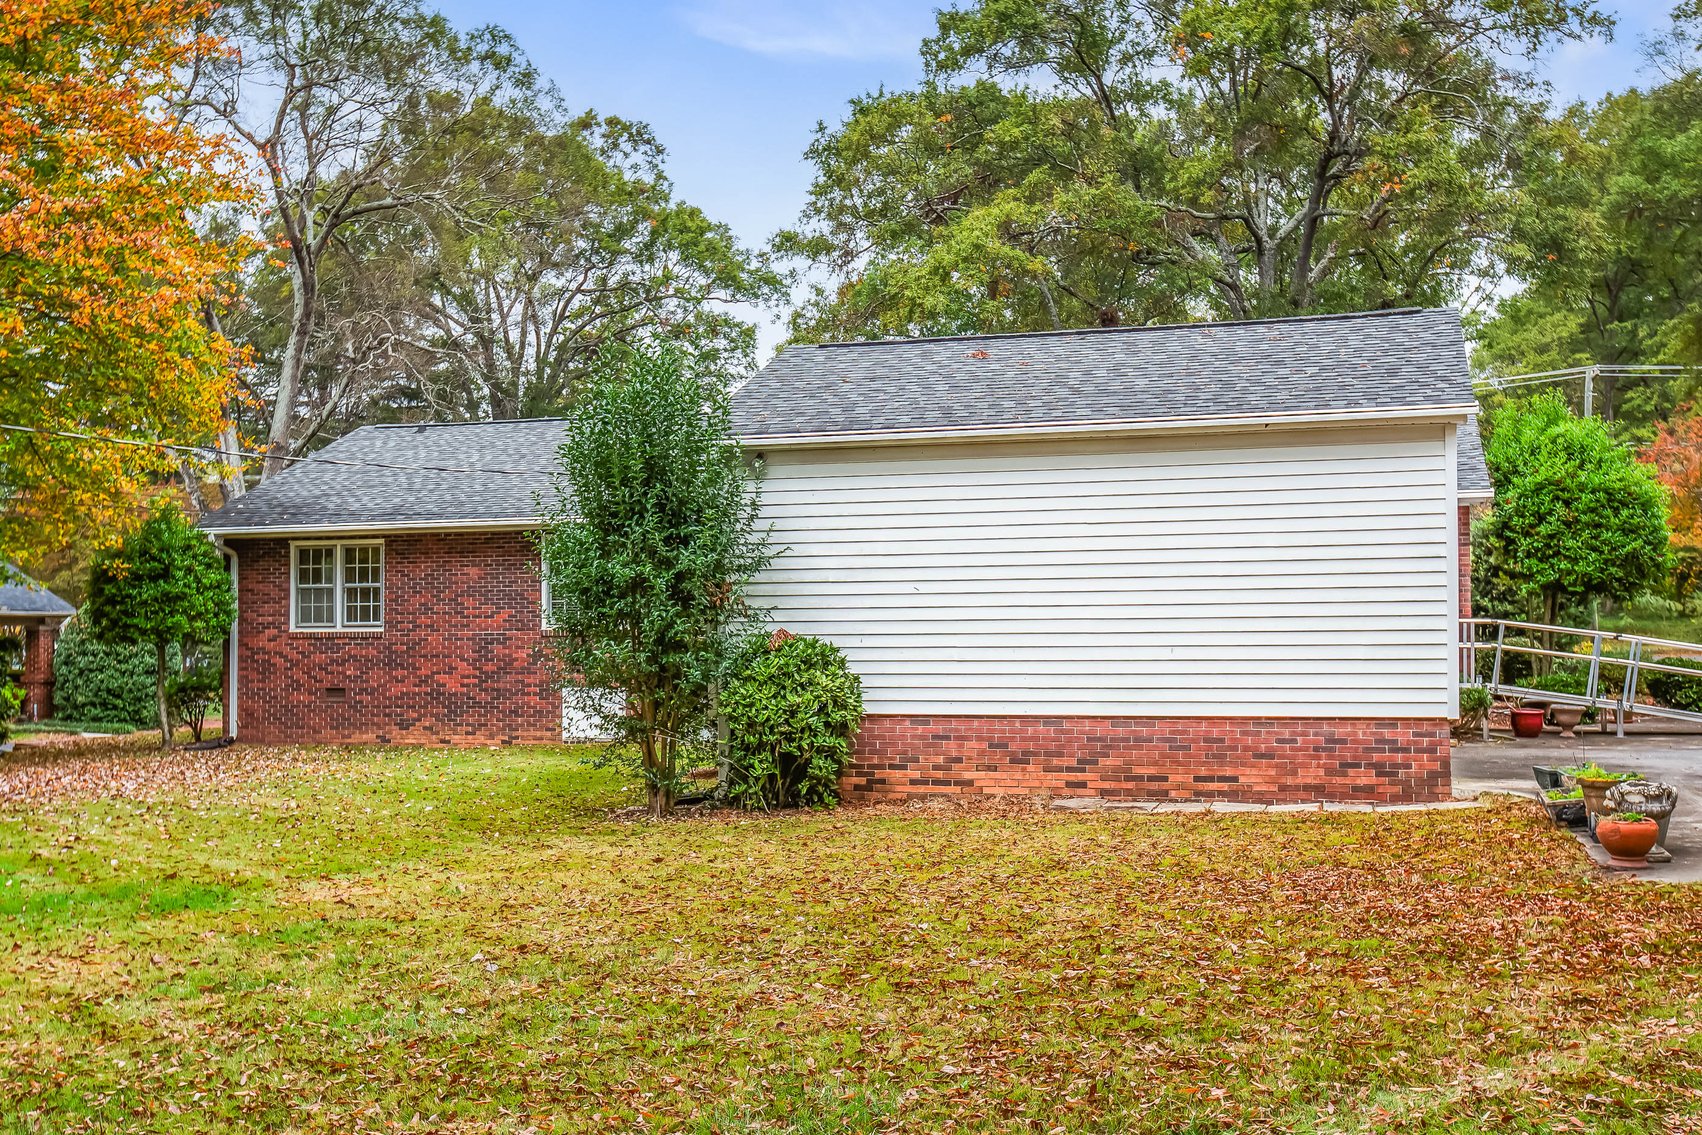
651 536
164 587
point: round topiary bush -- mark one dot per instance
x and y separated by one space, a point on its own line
791 714
96 682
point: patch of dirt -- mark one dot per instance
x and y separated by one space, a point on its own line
52 768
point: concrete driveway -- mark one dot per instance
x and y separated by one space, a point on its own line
1504 765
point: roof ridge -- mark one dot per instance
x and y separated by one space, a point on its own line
1320 317
428 425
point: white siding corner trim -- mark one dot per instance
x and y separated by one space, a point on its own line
1304 573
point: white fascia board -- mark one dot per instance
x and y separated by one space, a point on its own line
1215 423
377 528
1481 496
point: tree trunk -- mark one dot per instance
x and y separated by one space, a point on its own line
230 465
1550 617
303 316
192 486
159 696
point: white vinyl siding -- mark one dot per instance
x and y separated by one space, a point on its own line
1300 573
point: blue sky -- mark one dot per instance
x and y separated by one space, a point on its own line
734 88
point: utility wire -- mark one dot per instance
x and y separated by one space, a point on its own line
203 450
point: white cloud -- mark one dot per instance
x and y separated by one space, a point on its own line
836 29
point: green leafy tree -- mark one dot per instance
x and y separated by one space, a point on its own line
650 540
448 239
1081 162
1576 515
166 587
1609 246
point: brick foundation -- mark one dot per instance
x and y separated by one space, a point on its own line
458 660
1267 761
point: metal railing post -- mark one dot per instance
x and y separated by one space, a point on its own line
1628 696
1500 641
1593 684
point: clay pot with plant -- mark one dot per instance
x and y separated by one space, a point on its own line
1627 838
1595 782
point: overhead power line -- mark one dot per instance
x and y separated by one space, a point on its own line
243 454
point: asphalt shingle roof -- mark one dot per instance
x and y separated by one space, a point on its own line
1473 473
21 595
1373 361
493 472
453 473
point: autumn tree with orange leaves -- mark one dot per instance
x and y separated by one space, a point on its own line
105 279
1676 454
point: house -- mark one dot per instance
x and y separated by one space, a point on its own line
1214 560
34 614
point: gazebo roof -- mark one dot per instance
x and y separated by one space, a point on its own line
22 599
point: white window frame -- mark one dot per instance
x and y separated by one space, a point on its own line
339 582
545 607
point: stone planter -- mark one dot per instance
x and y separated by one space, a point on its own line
1567 717
1648 797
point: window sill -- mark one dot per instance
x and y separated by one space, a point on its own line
338 632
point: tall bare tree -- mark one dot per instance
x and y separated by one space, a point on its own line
329 97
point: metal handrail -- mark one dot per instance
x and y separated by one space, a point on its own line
1593 697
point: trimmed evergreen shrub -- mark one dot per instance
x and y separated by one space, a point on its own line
1675 691
93 681
791 714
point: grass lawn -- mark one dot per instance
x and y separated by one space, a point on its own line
468 940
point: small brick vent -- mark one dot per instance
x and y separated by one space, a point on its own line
1268 761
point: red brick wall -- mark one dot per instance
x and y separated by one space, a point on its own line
1275 761
39 642
457 661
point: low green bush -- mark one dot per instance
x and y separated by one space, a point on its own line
1475 702
11 700
93 681
790 714
192 693
1565 678
1675 691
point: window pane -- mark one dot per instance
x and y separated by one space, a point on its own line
556 611
363 585
315 590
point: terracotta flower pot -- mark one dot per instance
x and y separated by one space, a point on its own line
1567 717
1527 721
1627 844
